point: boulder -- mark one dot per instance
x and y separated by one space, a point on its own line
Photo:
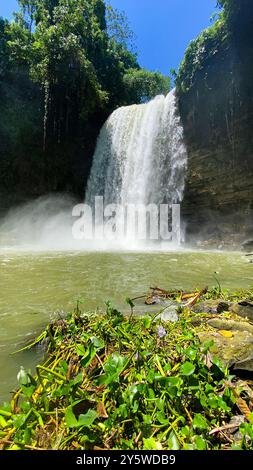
232 341
212 306
244 309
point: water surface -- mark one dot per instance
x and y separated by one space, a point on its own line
33 286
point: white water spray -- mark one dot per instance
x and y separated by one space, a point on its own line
140 156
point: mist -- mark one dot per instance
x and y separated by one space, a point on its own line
41 225
46 224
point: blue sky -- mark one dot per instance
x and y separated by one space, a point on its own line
163 28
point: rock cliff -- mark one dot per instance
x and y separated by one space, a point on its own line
217 113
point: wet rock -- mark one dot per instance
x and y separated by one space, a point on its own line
170 314
236 351
163 308
231 325
244 309
212 306
247 245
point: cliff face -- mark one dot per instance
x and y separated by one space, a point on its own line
217 113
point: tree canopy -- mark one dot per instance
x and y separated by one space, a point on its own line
75 59
232 28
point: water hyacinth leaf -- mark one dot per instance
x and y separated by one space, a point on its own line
80 350
28 391
151 444
173 391
23 377
147 322
190 353
206 346
162 418
213 401
147 419
187 369
200 443
113 368
173 442
122 411
175 381
70 418
3 422
97 342
86 419
199 422
89 356
218 364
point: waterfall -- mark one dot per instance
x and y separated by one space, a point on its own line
140 156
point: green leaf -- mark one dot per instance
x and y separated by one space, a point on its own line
206 346
28 391
151 444
97 342
162 418
213 401
83 420
200 443
89 356
3 422
199 422
173 442
113 368
70 418
23 377
190 353
147 322
187 369
80 351
87 419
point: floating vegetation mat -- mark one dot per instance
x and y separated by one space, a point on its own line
117 382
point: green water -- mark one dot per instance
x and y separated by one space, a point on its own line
34 286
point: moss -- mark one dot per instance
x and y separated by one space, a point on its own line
199 52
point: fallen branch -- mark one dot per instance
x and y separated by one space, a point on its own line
224 428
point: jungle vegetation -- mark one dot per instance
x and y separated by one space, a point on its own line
232 28
65 65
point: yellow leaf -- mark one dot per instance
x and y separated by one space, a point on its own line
226 333
243 407
101 410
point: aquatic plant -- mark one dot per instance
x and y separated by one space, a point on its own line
115 382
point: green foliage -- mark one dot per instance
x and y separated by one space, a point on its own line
233 27
118 28
108 382
199 52
63 68
239 17
142 85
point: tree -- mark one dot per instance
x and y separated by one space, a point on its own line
67 65
4 58
142 85
119 30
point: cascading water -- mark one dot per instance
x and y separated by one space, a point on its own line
140 156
